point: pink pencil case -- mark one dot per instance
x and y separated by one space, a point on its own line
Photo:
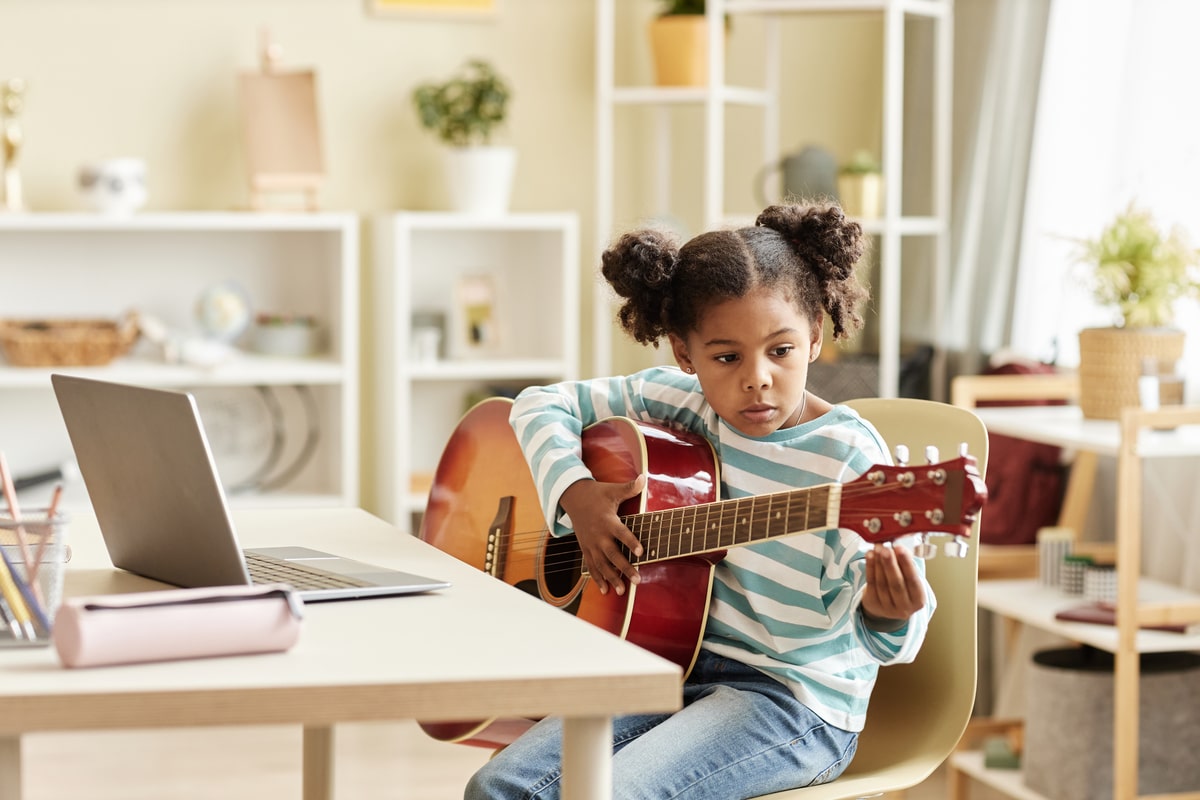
176 624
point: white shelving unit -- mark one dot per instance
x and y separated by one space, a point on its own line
71 265
421 260
1139 435
890 229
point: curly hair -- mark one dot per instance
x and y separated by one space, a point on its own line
809 251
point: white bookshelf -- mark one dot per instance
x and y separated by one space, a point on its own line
77 265
890 231
532 261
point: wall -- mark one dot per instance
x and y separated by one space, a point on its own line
156 79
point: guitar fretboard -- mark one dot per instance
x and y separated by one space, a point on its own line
704 528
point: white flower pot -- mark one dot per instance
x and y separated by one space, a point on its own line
479 179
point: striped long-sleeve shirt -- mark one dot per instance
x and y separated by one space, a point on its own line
788 606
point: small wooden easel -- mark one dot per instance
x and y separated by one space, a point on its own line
282 132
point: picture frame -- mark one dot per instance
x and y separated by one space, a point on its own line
465 9
476 322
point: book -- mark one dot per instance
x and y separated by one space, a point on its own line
1105 613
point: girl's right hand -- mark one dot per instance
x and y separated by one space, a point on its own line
592 506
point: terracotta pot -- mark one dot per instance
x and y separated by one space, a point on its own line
680 46
1112 359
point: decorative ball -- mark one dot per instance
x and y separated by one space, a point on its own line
224 311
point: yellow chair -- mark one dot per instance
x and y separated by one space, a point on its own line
919 710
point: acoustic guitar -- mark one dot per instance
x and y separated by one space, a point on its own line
484 509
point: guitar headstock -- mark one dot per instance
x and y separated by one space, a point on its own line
888 502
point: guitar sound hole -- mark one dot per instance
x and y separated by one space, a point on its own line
562 566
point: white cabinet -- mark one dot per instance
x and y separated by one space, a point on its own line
1138 436
890 231
504 293
290 424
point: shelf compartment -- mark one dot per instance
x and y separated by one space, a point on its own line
1010 782
71 264
531 260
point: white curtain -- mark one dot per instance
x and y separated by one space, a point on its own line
998 63
1118 121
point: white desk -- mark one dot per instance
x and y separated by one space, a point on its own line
477 650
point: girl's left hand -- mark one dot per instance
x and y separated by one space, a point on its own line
894 587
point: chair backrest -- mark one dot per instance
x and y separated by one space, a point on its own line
918 711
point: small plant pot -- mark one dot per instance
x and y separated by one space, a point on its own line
289 338
679 43
480 179
861 195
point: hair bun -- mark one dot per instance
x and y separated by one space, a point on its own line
820 234
639 267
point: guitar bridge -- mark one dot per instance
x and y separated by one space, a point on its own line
498 530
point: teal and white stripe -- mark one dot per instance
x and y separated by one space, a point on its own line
787 606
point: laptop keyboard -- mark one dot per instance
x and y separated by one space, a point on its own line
265 569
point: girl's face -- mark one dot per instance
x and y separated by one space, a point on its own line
751 355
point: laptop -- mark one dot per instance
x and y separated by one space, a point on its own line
161 508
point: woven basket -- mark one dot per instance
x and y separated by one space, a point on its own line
67 342
1112 359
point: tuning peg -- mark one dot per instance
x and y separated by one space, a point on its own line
924 549
957 548
901 455
962 449
931 454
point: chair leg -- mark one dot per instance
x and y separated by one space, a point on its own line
958 783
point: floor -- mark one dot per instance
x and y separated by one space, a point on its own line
377 761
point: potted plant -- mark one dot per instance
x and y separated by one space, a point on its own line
860 185
1139 271
679 43
465 112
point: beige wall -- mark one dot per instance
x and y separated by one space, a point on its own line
156 79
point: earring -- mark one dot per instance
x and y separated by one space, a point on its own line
688 370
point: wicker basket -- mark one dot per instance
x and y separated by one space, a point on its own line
66 342
1111 361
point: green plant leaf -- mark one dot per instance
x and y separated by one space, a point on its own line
1139 270
467 108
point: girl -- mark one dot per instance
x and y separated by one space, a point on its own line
798 625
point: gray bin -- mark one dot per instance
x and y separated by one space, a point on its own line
1069 724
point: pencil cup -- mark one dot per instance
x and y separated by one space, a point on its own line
1100 583
1053 545
35 554
1073 570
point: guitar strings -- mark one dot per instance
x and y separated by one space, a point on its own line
531 541
758 512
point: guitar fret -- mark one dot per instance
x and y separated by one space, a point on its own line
723 524
666 534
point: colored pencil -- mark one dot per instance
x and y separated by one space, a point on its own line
14 509
7 618
13 596
47 535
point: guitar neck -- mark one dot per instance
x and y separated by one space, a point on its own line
710 527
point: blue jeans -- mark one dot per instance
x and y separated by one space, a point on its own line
740 734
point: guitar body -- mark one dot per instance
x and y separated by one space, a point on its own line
484 510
